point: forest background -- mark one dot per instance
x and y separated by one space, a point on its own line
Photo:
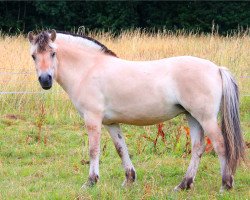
225 17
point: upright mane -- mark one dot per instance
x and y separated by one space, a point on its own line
43 40
85 40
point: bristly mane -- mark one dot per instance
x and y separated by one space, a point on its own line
102 47
42 39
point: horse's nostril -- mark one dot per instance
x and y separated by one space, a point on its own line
49 77
45 79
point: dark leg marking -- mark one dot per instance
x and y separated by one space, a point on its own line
93 179
130 175
187 183
119 136
119 150
227 182
93 153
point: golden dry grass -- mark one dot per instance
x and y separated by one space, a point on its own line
232 52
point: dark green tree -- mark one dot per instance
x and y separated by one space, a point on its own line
16 16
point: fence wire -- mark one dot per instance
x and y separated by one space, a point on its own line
46 92
23 92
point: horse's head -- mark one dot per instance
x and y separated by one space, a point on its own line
43 52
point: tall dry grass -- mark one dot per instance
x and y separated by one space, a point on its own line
15 61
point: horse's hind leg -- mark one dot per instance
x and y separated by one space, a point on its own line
198 147
122 150
213 131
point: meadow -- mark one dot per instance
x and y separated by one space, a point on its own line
44 146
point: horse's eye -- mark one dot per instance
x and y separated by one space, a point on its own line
33 56
53 54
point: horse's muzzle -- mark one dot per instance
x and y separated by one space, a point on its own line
46 81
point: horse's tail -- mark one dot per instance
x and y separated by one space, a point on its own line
230 120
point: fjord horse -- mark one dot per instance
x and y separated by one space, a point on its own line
108 90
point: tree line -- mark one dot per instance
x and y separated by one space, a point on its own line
198 16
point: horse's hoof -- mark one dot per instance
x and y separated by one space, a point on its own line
130 177
224 188
124 184
227 183
177 189
127 183
180 187
90 183
85 186
187 183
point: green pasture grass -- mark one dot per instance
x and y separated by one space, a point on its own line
44 146
53 167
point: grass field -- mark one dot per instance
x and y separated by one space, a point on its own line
43 144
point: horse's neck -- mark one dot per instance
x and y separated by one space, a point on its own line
73 65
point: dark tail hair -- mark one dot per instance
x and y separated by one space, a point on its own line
230 121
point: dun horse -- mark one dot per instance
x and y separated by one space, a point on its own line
108 90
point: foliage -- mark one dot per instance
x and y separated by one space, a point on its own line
116 16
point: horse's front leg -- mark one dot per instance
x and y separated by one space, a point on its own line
122 150
93 126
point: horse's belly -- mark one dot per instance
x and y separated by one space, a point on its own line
141 99
142 117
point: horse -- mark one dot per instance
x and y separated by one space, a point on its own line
107 90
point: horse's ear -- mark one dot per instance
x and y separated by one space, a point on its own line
53 35
31 36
